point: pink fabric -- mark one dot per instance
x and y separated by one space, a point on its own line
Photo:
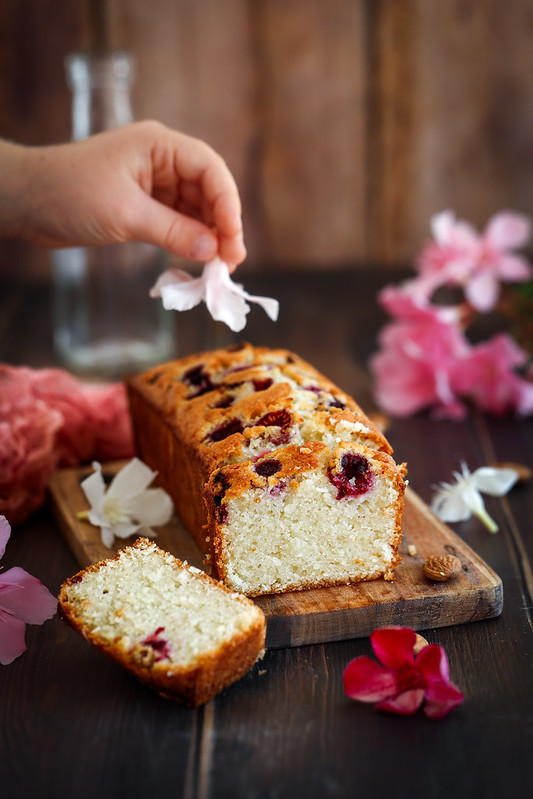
50 419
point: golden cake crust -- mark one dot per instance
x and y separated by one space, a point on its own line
291 464
194 683
230 407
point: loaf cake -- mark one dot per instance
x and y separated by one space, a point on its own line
282 479
174 627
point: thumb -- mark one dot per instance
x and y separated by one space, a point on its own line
158 224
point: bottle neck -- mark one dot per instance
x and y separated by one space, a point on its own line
99 109
100 92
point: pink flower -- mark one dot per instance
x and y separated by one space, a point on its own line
488 376
403 681
460 256
225 300
417 356
23 600
49 419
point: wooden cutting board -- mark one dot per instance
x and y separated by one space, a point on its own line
325 614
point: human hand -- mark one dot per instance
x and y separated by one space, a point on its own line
143 181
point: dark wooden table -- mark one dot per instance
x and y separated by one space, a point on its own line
74 724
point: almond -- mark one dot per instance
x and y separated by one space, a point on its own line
441 567
420 643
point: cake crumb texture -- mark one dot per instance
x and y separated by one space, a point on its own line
280 476
170 624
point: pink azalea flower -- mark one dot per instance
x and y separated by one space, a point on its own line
417 356
460 256
488 376
23 600
403 681
225 300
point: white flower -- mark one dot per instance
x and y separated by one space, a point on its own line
225 300
455 502
128 506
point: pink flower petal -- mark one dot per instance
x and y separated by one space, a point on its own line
442 226
441 694
440 699
170 277
403 386
12 643
393 646
433 663
5 532
26 597
367 681
405 704
514 268
482 291
452 233
458 269
487 376
223 302
524 397
464 236
178 290
508 230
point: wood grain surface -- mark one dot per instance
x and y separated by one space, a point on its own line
346 124
325 614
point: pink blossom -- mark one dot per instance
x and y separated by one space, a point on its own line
460 256
402 683
488 376
225 300
417 356
23 600
49 419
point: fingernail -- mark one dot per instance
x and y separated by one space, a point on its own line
205 246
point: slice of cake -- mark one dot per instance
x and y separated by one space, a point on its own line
304 517
174 627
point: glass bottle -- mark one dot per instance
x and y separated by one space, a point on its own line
105 322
